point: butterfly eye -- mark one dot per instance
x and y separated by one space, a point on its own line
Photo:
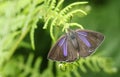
72 36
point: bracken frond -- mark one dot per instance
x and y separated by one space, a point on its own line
58 5
94 63
76 24
52 4
67 8
60 17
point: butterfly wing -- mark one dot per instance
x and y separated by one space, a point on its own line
88 41
56 52
73 53
63 51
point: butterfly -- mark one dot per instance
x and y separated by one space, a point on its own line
75 44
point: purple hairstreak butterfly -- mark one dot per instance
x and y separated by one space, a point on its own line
75 44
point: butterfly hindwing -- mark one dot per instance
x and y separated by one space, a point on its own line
88 41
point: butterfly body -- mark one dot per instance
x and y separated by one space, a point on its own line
75 44
72 38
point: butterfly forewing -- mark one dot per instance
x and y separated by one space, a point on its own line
63 50
56 52
88 41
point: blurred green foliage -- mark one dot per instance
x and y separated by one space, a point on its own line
25 37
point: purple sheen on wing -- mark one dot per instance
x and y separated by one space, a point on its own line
61 42
82 33
65 49
83 38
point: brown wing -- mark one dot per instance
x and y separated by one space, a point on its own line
88 41
73 53
58 53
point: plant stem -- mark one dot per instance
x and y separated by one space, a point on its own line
14 47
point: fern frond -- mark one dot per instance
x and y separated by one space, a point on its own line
75 11
81 65
46 23
52 4
76 24
67 8
70 14
48 72
34 70
51 29
66 70
54 15
33 27
27 66
58 5
48 2
32 35
51 33
94 63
